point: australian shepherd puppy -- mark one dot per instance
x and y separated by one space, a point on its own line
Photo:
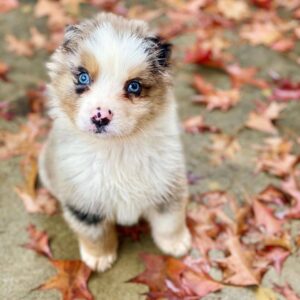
114 154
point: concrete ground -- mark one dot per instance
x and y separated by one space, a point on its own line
22 270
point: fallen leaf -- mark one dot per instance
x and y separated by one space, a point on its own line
266 4
224 147
110 5
286 90
71 280
272 194
38 241
54 10
7 5
200 284
239 10
38 40
18 47
23 142
35 201
240 76
201 56
212 98
4 69
275 157
288 4
37 99
264 117
266 28
72 6
292 187
264 294
284 45
287 292
5 112
238 265
171 278
156 273
197 124
265 218
276 257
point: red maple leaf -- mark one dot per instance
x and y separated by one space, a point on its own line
39 241
71 280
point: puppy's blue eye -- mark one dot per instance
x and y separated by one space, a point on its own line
134 87
84 78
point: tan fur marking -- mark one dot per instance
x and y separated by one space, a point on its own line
107 244
90 63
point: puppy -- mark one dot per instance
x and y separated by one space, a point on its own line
114 154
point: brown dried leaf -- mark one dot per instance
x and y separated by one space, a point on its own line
18 47
71 280
38 40
240 76
214 99
284 45
54 10
224 147
287 292
24 141
200 284
4 69
72 6
292 187
35 201
197 124
265 218
7 5
39 241
238 266
264 117
275 157
266 28
239 10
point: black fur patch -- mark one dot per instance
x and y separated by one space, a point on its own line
87 218
163 51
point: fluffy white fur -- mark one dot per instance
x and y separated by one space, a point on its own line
125 173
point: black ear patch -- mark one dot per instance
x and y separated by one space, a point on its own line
159 51
71 38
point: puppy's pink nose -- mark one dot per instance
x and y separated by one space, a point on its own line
101 117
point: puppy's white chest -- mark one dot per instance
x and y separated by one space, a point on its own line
122 181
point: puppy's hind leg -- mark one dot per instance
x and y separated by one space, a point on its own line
97 237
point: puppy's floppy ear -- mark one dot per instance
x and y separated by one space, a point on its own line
72 36
160 49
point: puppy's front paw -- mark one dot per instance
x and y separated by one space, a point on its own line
175 245
98 263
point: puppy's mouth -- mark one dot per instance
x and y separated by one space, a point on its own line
100 129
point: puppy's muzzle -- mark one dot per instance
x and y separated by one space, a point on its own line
101 118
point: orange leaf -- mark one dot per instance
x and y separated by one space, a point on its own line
263 118
238 265
200 284
241 76
265 218
19 47
7 5
71 280
39 241
196 124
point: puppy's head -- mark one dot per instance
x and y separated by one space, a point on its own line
110 76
